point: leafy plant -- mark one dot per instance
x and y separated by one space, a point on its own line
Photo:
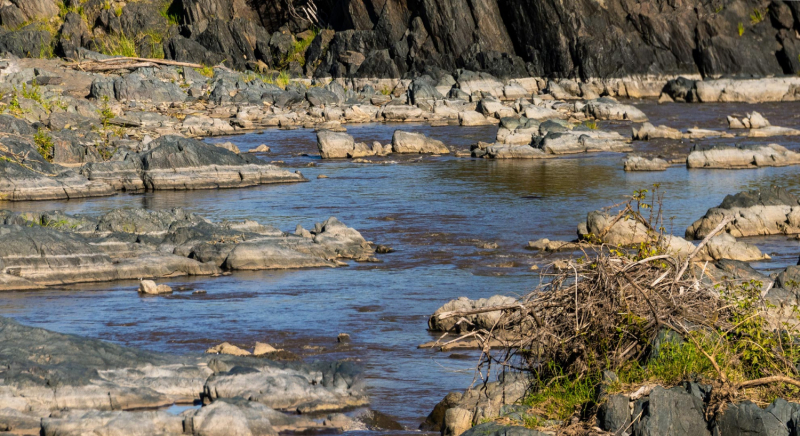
386 90
171 12
741 29
592 124
298 51
44 144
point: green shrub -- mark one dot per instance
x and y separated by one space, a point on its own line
758 15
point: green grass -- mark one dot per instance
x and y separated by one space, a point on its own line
559 397
206 71
283 79
298 51
592 124
118 45
171 12
44 144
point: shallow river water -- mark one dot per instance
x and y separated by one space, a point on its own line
435 211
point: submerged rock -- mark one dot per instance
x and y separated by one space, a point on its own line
484 320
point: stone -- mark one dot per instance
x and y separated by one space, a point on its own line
495 429
338 145
150 287
607 108
227 348
771 211
483 320
725 246
230 146
263 148
409 142
741 157
747 418
648 131
472 118
543 113
548 245
671 411
614 415
639 163
262 349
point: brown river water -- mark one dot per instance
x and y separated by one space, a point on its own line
436 212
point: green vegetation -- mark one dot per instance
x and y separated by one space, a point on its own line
206 71
741 29
106 115
592 124
171 11
44 144
118 45
298 50
283 79
640 313
386 90
758 15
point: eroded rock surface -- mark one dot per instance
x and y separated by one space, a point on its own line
45 249
772 211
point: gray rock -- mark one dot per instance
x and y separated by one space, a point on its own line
495 429
408 142
672 412
615 414
747 418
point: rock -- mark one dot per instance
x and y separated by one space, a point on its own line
571 142
495 429
138 87
472 118
639 163
230 146
757 121
149 287
747 418
483 320
734 123
177 163
609 109
260 149
670 411
337 145
401 112
624 232
548 245
502 151
227 348
543 113
770 211
614 415
322 97
342 338
458 412
648 131
262 348
769 131
74 422
97 379
725 246
744 156
409 142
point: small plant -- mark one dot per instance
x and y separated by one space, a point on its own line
206 71
298 50
118 11
719 9
386 90
741 29
33 93
106 115
283 79
758 15
591 124
44 144
14 106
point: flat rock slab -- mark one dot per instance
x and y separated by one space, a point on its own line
46 249
88 386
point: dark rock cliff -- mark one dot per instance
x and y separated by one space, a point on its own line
392 38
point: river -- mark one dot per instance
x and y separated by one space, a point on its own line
436 212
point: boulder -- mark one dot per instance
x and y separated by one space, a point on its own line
339 145
725 246
480 321
473 118
639 163
771 211
607 108
671 412
648 131
227 348
150 287
409 142
504 151
741 157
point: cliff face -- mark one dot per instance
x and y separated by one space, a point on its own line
390 38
